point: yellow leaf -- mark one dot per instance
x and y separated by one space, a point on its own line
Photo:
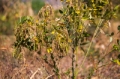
80 28
36 39
3 18
69 40
49 50
118 62
53 32
16 15
67 0
77 11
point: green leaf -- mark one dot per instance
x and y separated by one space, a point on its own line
84 43
67 72
116 7
117 61
118 27
86 34
70 10
116 47
25 18
111 34
61 11
118 41
118 56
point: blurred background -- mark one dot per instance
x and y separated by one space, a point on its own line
12 10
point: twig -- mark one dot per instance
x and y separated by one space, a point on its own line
73 62
97 28
49 76
18 72
35 73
